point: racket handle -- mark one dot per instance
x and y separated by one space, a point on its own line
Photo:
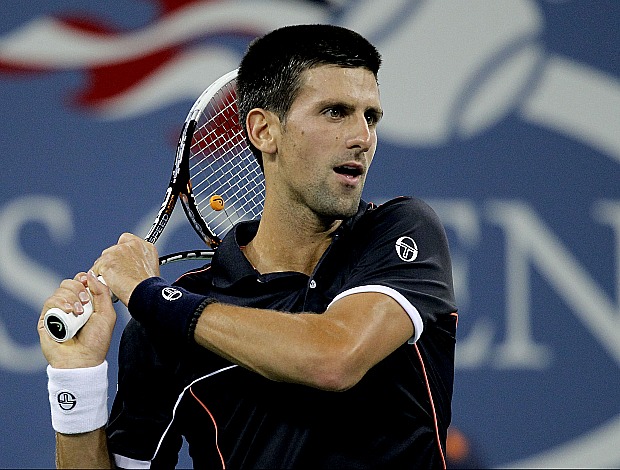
63 326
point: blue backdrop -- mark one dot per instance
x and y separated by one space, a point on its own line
503 115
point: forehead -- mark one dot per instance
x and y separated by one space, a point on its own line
333 83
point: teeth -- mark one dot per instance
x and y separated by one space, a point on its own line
348 170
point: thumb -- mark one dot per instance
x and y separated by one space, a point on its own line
102 300
98 290
96 334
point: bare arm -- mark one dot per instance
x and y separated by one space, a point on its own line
87 450
331 351
87 349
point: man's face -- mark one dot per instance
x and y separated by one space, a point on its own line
328 141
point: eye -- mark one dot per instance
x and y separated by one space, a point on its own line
334 112
373 118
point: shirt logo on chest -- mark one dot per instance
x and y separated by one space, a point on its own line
406 249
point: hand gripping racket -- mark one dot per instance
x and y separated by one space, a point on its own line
215 175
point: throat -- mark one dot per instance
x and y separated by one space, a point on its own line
294 251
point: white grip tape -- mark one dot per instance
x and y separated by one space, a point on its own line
78 398
62 326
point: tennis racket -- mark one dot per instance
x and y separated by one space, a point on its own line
216 177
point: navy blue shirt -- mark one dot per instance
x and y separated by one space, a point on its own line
396 416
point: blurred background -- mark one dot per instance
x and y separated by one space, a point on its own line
503 114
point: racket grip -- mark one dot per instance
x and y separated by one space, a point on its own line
63 326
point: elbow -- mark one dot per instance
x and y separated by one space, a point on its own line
334 372
334 383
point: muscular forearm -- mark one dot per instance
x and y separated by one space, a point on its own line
274 344
86 450
331 351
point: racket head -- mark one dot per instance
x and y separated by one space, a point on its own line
225 183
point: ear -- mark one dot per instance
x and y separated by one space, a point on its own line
262 128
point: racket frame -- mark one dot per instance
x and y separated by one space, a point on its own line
179 186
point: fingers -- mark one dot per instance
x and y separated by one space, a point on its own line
129 237
137 244
126 264
98 289
71 296
130 250
91 343
131 257
96 284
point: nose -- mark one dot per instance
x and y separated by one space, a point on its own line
362 135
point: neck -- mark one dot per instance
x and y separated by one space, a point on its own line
287 241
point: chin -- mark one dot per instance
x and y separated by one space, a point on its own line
343 209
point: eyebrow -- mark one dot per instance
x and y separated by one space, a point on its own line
375 111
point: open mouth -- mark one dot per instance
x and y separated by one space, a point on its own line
349 170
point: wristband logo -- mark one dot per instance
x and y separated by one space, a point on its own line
407 249
66 400
171 294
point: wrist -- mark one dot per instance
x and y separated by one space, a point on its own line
169 312
78 398
73 363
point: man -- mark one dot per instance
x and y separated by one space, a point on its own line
320 337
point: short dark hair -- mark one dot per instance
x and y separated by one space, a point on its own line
270 72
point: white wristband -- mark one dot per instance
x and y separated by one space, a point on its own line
78 398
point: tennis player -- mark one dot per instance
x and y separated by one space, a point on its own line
321 336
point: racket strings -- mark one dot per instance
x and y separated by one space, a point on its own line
250 176
246 201
239 161
221 163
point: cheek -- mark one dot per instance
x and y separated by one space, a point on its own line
307 148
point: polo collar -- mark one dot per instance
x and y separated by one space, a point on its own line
230 265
